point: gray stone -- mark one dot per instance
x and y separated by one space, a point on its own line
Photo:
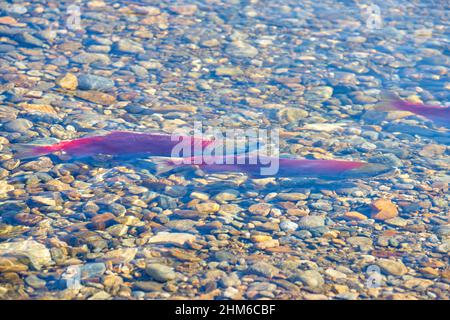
93 82
392 267
223 255
263 268
128 46
359 241
18 125
292 115
30 40
172 238
92 270
397 221
310 222
148 286
88 58
319 94
241 49
35 282
227 195
322 205
139 71
38 254
160 272
262 286
288 226
311 278
231 280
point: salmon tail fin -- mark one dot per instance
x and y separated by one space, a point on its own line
389 102
163 165
26 151
368 170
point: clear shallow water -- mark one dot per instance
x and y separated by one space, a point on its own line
314 70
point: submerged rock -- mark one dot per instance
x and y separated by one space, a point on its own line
241 49
160 272
393 267
37 253
310 222
172 238
93 82
383 209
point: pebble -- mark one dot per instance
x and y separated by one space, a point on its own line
310 222
89 58
38 253
29 40
5 187
241 49
35 282
92 270
229 71
160 272
93 82
335 274
96 97
112 281
383 209
123 255
172 238
311 278
359 241
128 46
18 125
397 221
69 81
225 196
231 293
207 207
260 209
265 269
292 196
102 221
101 295
392 267
288 226
148 286
292 115
231 280
12 264
354 215
319 94
41 108
185 10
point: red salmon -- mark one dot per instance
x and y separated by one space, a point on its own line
437 114
118 143
260 166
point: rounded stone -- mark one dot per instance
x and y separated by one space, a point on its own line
160 272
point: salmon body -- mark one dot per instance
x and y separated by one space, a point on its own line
119 143
262 166
439 115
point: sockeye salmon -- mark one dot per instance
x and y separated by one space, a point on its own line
263 166
439 115
117 143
